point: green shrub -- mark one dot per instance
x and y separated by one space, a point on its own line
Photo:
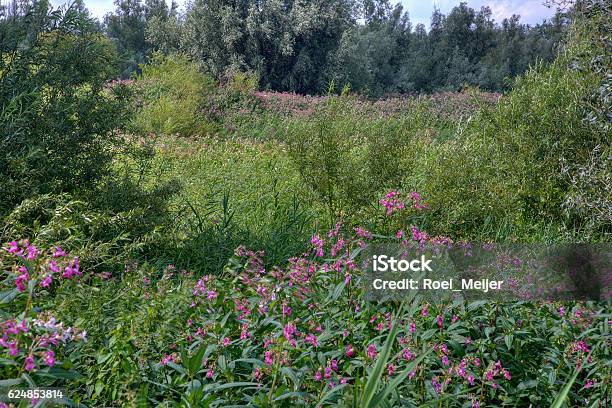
350 156
59 118
174 94
505 166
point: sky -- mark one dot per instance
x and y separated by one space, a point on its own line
531 11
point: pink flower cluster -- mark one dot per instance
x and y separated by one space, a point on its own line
30 261
35 341
393 202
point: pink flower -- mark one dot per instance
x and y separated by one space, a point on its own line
407 354
470 379
50 358
245 332
53 267
33 252
166 359
425 311
392 202
13 248
589 384
73 270
327 373
59 253
226 341
29 363
363 233
412 327
13 349
269 357
350 351
445 360
334 364
46 281
22 280
390 369
211 294
286 310
436 384
318 243
210 373
288 331
318 376
312 339
440 321
372 351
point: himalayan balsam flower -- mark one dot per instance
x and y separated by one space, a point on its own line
327 372
29 363
312 339
59 253
269 357
436 384
350 351
226 342
50 358
317 242
372 351
334 364
13 248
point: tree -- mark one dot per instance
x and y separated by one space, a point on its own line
58 116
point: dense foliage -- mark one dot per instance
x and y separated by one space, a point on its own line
58 117
370 44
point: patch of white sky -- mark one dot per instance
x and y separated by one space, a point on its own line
531 11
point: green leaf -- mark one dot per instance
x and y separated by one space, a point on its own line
508 339
330 393
7 296
383 358
291 395
338 291
562 396
10 382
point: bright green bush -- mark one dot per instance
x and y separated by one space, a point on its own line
350 156
174 94
504 168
